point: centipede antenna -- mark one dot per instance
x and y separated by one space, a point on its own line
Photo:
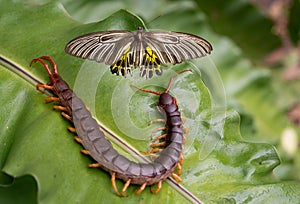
40 59
147 91
43 63
52 62
175 75
168 88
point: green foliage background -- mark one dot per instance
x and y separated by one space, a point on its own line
231 156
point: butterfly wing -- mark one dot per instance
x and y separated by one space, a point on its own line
175 47
149 62
123 50
108 47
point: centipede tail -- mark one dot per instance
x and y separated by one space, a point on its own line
100 149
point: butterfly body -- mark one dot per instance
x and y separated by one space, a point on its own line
124 50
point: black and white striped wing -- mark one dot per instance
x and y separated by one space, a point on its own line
124 50
107 47
175 47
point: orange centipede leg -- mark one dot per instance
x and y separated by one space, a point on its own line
184 138
77 139
113 183
152 153
159 129
159 137
159 120
141 188
181 160
62 108
72 129
159 185
176 177
156 150
186 130
179 169
125 187
83 151
95 165
45 86
66 116
51 99
159 144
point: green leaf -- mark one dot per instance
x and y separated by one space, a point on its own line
244 24
219 165
294 22
22 189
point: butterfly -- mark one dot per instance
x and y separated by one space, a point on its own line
125 50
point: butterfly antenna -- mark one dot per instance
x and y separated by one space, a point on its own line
153 20
175 75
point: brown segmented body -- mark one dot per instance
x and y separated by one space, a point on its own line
101 150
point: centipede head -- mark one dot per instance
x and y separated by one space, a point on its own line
166 99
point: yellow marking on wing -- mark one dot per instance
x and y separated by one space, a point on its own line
151 56
119 67
152 64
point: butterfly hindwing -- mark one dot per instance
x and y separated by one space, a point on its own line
124 64
151 63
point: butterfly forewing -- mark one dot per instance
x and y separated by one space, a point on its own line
105 47
179 46
124 50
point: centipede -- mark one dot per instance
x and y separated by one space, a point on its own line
87 132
